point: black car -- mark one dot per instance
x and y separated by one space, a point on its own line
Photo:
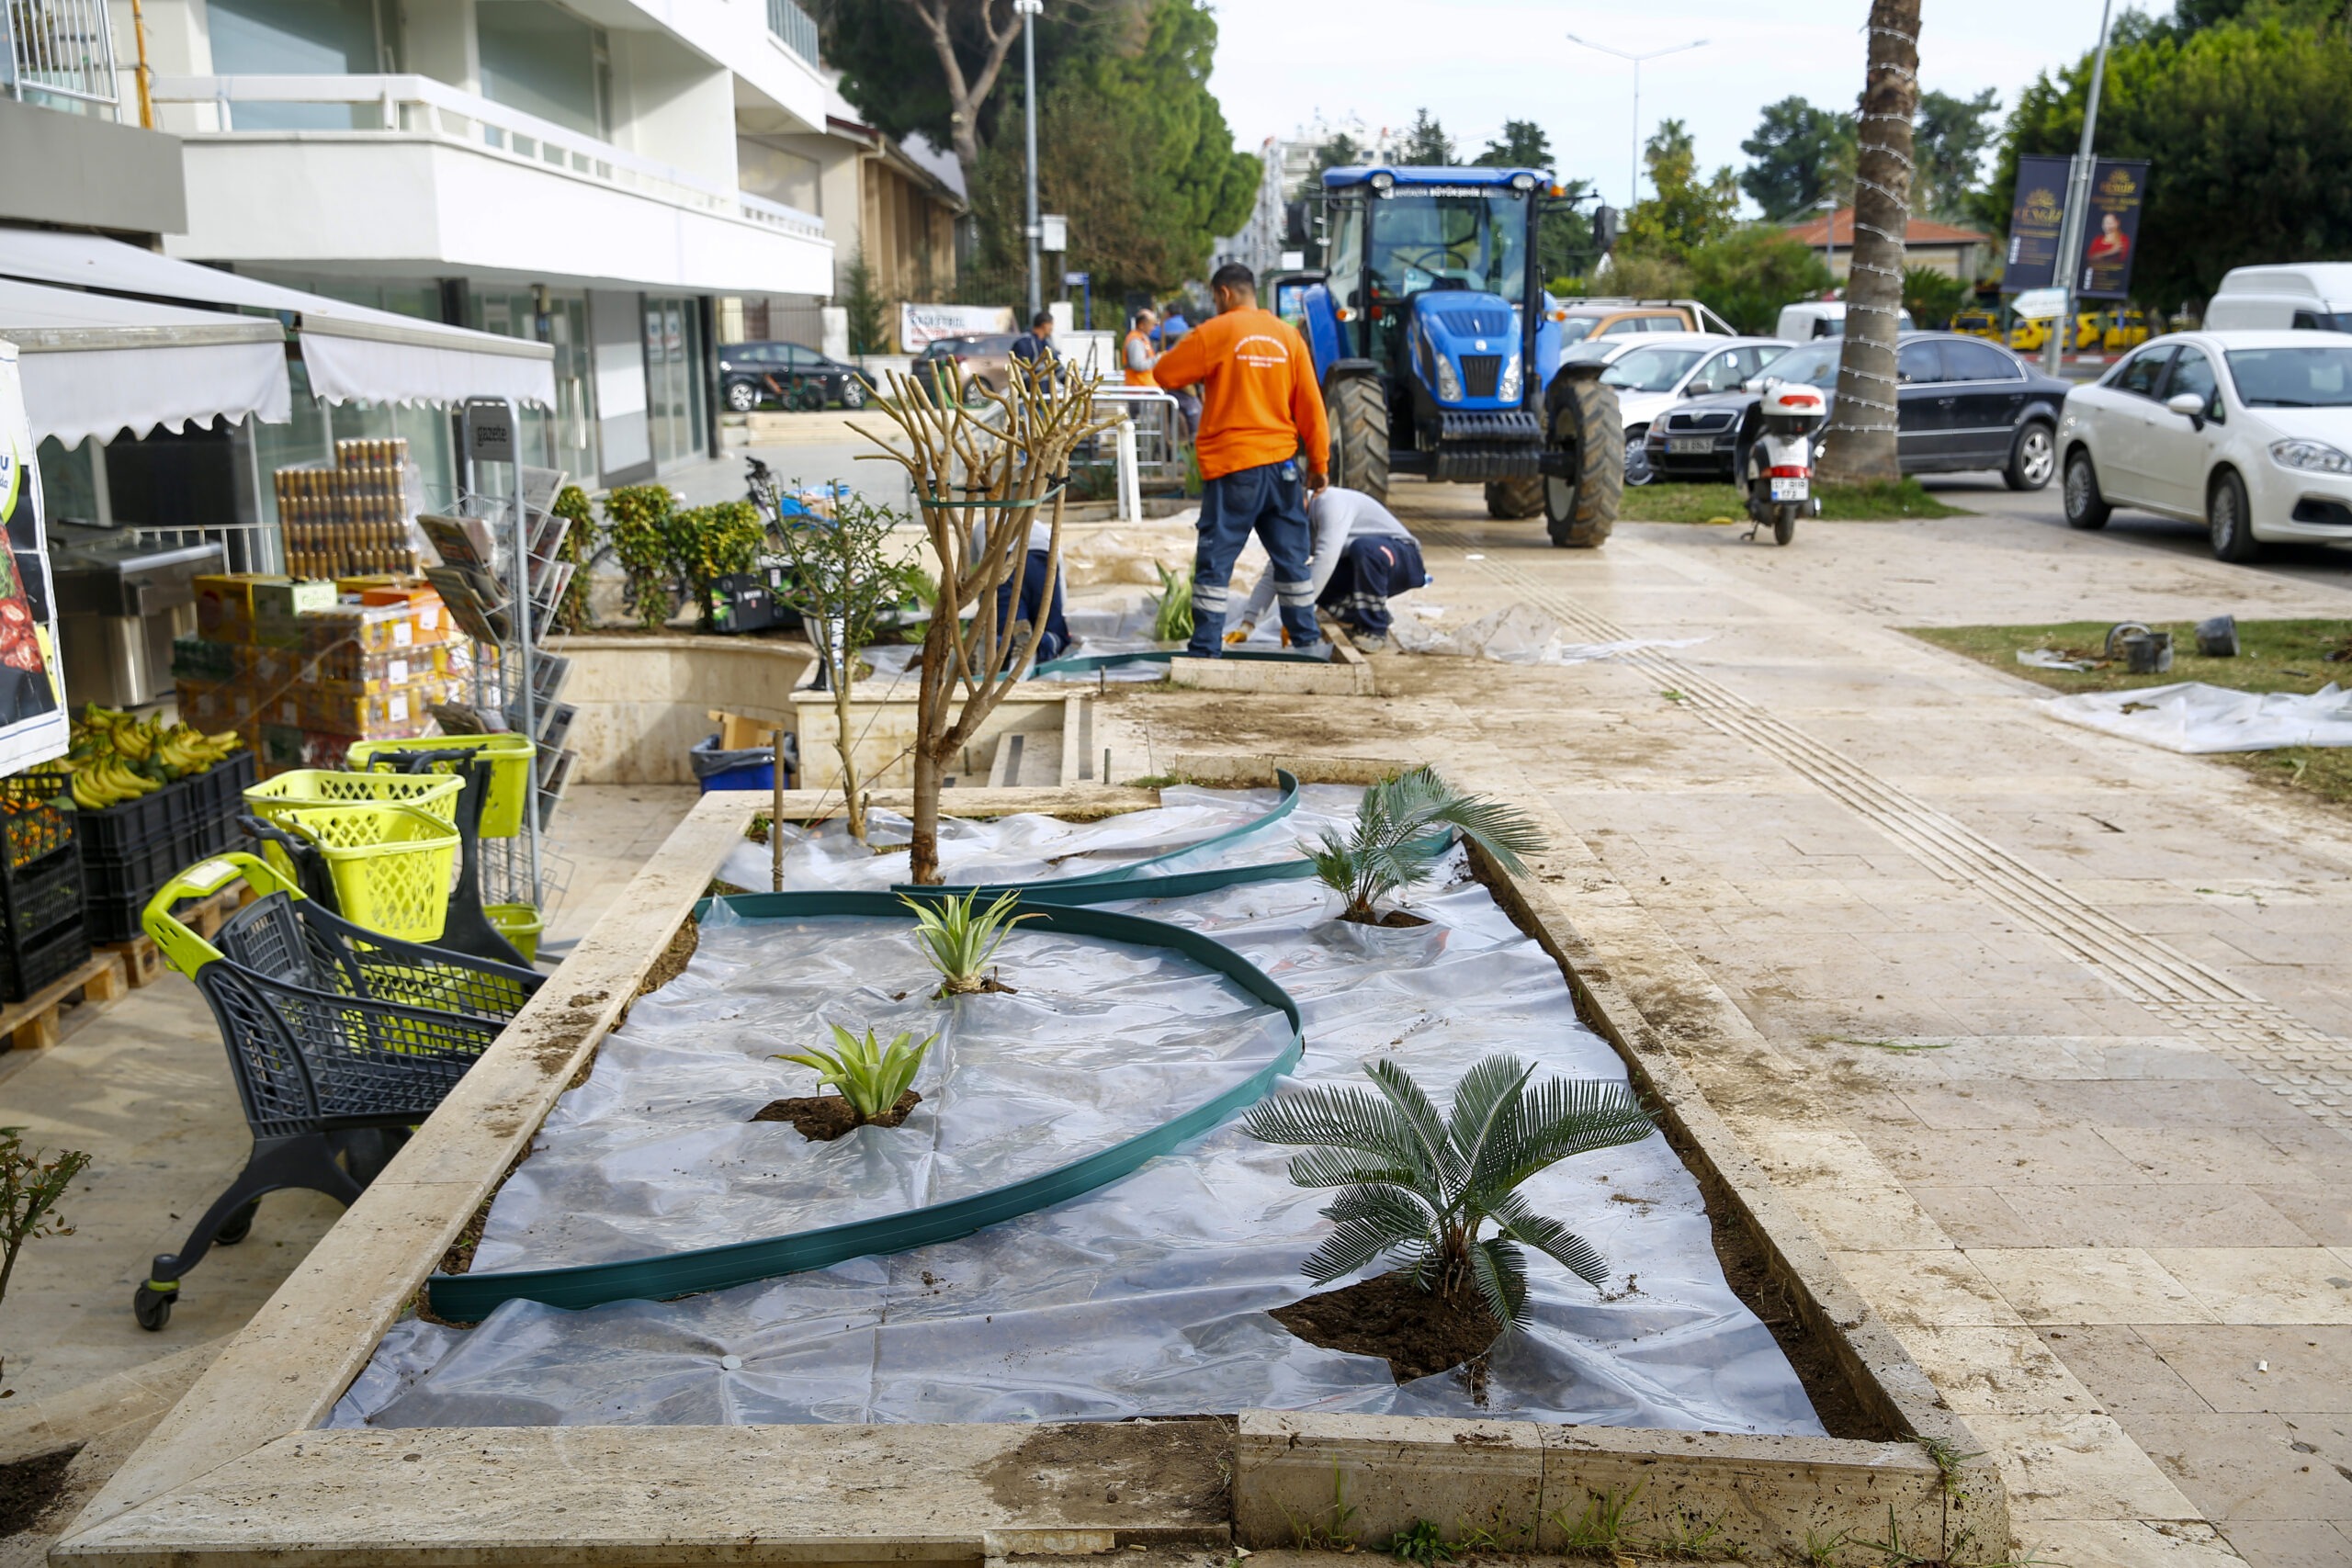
752 373
1965 404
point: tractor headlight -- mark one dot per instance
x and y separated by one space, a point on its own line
1381 181
1523 182
2312 457
1448 385
1509 389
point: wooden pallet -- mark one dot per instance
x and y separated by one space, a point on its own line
31 1024
143 961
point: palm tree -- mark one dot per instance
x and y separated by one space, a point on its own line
1399 833
1421 1188
1859 446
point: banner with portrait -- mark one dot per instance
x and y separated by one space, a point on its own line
2111 228
33 722
2036 216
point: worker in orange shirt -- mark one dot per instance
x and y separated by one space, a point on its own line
1136 355
1264 446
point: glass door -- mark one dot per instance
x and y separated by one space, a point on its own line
673 394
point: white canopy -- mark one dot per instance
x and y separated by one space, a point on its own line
350 351
94 365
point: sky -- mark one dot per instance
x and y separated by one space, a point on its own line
1475 63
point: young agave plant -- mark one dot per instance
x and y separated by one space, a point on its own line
870 1075
959 937
1422 1189
1399 834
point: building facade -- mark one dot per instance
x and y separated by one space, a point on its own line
1956 253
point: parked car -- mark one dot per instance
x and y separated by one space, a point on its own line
2249 433
2031 334
2123 330
1586 319
1976 321
1962 404
1658 373
1809 319
2314 297
798 378
983 356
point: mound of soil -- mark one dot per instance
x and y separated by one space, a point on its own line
30 1487
1417 1332
1401 919
822 1118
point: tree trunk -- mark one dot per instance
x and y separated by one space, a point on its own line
1860 445
923 866
852 791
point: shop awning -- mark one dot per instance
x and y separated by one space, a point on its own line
94 365
351 351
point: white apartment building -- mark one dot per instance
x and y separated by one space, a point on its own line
596 175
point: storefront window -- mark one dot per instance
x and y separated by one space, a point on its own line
675 393
69 493
565 439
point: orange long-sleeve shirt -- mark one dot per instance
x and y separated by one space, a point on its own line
1258 400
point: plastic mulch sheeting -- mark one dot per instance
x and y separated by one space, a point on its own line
2195 717
1148 1296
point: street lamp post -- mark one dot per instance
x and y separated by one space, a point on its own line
2078 197
1029 10
1828 206
1634 156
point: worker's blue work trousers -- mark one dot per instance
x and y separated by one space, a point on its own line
1269 502
1053 635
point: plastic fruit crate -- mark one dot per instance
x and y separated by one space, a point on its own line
36 815
25 967
35 899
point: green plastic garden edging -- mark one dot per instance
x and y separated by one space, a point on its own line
469 1298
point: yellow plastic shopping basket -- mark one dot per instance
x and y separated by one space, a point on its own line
390 864
510 772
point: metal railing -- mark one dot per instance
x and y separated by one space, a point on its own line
794 29
414 107
61 49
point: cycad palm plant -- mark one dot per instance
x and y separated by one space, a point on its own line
1422 1187
1399 833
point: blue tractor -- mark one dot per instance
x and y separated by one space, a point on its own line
1438 353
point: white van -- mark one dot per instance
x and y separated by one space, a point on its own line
2315 295
1810 318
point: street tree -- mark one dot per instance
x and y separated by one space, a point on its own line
1948 137
1686 211
1800 153
1521 145
1859 446
1426 142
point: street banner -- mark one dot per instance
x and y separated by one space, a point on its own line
2035 219
2111 228
919 325
33 724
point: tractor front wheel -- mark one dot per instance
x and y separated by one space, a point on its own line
1511 500
1581 417
1360 435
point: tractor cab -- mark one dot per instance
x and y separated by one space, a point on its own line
1436 346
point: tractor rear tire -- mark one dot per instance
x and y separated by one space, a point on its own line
1360 437
1581 417
1511 500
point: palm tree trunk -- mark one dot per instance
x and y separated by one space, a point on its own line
1860 445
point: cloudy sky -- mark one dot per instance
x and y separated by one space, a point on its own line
1475 63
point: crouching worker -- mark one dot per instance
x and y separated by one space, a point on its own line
1264 446
1363 558
1055 635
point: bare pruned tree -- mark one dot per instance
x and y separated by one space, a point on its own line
1860 445
999 26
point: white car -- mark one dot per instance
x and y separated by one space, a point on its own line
1661 371
2249 433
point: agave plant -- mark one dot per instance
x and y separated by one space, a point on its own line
959 937
1171 617
1399 833
1423 1188
870 1075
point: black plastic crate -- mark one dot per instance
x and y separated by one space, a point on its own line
24 968
36 816
749 602
36 899
175 808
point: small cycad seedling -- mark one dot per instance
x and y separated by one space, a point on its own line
959 937
1421 1188
1399 833
871 1075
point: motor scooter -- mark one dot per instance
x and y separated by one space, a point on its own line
1780 460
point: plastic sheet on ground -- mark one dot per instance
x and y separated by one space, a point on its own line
1147 1296
2195 717
1516 633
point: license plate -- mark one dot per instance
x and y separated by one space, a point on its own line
1789 489
1690 445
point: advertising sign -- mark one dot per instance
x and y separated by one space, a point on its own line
2035 219
919 325
2111 228
33 725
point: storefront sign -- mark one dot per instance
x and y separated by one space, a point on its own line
920 325
2111 229
2035 219
33 725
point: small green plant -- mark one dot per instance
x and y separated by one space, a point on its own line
1171 617
870 1075
1601 1526
1398 837
707 543
1424 1545
959 937
637 524
1309 1534
1421 1188
30 1188
571 614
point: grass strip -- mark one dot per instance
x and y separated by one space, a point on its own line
1665 503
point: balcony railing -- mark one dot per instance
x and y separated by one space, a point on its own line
63 49
419 108
794 29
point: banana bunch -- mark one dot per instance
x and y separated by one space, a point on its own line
114 757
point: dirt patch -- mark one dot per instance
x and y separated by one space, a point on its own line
1102 1472
673 960
822 1118
30 1487
1399 918
1417 1332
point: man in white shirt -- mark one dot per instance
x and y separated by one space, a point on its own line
1363 557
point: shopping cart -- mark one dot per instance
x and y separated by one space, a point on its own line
340 1040
497 771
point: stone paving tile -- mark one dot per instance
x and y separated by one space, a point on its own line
2148 1215
2324 1213
1997 1156
2241 1154
1977 1217
1997 1369
2243 1466
2303 1284
2077 1285
2247 1368
2122 1367
1916 1290
2296 1543
2127 1543
2079 1466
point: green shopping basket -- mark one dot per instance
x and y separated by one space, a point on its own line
390 864
510 771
